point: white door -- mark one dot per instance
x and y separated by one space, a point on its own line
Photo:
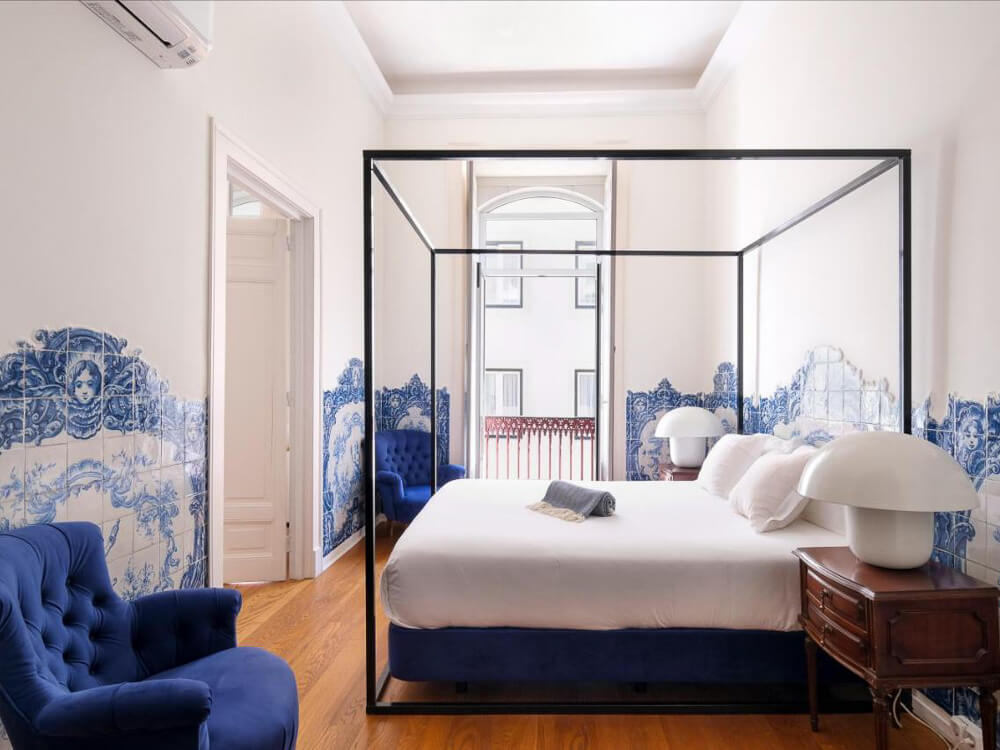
257 413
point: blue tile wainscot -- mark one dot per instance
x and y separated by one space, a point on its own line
90 432
643 409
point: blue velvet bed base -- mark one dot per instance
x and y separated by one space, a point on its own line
679 655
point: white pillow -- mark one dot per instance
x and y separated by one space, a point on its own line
729 459
767 493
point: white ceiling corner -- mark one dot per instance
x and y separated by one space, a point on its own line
745 26
351 45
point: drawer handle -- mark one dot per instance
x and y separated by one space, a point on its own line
861 609
827 632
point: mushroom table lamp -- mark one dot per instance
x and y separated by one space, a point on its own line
688 427
892 484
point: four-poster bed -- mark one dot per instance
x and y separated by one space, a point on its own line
627 645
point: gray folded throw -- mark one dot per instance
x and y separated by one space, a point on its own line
571 502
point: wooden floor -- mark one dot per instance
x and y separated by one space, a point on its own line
318 626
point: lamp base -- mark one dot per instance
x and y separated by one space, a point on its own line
890 538
687 452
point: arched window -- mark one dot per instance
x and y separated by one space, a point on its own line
537 219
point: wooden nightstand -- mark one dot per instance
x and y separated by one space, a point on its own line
671 473
928 627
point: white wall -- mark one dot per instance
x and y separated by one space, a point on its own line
106 224
897 75
434 192
832 280
924 76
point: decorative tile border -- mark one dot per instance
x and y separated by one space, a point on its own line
409 408
90 432
643 409
343 433
827 396
969 432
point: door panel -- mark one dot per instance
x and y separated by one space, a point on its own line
256 465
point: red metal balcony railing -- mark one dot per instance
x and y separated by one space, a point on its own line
538 448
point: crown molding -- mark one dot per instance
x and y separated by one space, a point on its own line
745 28
543 104
349 42
747 24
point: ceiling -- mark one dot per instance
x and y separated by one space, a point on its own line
435 47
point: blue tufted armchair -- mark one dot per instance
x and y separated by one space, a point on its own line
81 669
403 472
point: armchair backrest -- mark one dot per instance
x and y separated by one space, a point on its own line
62 626
404 452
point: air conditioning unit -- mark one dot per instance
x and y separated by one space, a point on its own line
171 33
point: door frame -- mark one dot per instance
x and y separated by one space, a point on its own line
231 159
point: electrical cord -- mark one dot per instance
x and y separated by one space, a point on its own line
963 743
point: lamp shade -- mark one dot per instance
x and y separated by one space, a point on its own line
887 471
689 422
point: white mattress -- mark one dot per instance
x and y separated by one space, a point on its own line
671 556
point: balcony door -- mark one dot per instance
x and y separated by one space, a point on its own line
536 364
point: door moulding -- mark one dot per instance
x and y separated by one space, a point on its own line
232 160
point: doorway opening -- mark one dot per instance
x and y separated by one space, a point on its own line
258 369
265 406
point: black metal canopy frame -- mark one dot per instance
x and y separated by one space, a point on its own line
889 159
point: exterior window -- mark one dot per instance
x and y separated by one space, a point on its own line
585 393
586 289
502 393
504 291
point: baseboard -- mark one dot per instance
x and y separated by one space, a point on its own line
342 549
345 546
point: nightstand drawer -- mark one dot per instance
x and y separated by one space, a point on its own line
836 639
955 637
849 608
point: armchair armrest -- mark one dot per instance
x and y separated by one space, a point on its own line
450 472
390 488
176 627
127 707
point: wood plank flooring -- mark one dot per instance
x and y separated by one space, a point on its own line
318 627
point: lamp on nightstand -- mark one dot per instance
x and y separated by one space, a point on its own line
891 484
688 427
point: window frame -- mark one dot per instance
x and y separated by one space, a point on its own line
520 389
576 391
498 245
581 244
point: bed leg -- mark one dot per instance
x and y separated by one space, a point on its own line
640 687
462 687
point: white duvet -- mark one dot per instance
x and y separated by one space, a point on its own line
672 556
